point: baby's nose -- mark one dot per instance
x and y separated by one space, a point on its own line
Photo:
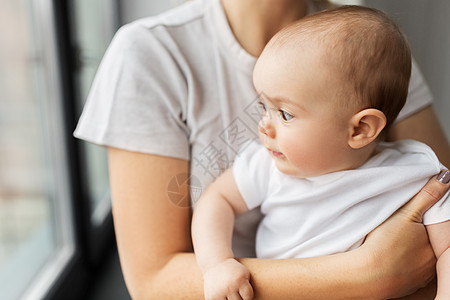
266 127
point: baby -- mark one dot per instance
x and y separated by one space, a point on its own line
330 85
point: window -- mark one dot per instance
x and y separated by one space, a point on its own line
36 226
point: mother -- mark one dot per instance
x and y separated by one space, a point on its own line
173 96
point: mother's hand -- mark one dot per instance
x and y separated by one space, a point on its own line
405 262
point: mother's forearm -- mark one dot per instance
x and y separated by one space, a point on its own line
178 278
340 276
426 293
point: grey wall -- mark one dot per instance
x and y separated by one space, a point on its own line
134 9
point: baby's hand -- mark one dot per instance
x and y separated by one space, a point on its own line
228 280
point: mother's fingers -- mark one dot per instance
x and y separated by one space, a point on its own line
431 193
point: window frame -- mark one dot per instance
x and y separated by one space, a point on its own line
92 241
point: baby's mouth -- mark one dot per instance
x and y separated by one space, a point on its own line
276 154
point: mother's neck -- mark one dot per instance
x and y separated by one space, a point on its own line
254 22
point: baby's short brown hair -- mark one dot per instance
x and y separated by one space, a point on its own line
366 49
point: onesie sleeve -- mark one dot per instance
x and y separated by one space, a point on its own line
419 94
137 100
251 170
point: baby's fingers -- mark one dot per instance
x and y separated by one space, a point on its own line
234 296
246 291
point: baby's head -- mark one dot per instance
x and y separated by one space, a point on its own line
336 80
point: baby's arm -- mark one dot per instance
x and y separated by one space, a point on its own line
212 229
439 235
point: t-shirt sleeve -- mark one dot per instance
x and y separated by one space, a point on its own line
419 94
251 170
138 98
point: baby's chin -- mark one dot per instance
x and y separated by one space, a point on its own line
290 170
286 168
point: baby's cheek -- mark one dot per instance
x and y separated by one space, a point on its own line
306 157
296 152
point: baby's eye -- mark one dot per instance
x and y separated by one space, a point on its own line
262 106
286 116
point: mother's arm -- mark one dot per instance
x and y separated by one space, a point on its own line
153 234
423 126
154 243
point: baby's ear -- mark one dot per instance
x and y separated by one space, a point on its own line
365 127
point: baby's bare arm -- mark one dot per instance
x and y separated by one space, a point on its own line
213 221
212 229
